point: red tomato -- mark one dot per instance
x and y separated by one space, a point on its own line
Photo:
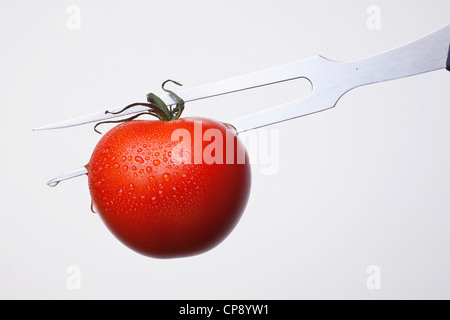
158 205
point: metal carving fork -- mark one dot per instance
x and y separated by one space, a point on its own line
330 81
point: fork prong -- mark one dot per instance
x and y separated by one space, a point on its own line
69 175
286 72
93 117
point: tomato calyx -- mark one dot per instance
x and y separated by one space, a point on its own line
172 113
156 107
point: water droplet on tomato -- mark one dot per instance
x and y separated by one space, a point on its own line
133 168
131 187
149 169
135 175
130 158
141 171
151 178
156 154
139 150
156 162
165 159
125 168
120 193
139 159
93 207
147 158
123 158
116 165
166 176
154 199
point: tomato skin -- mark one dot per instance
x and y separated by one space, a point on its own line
157 205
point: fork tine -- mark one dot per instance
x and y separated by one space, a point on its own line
69 175
285 72
93 117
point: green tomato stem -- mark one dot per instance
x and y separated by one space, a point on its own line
156 107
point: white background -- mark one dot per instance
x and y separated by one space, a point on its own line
363 184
